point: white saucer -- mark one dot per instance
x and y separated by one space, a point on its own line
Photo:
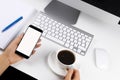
54 66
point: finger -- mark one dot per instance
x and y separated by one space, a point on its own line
18 39
37 45
33 52
39 41
69 74
76 75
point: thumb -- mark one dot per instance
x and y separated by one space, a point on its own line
18 39
69 74
76 75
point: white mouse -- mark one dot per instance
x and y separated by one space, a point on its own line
102 59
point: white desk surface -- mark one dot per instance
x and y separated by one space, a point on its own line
105 36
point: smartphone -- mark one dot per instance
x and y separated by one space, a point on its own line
28 42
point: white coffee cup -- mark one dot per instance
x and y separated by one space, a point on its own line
65 58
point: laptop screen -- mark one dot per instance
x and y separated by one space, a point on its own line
111 6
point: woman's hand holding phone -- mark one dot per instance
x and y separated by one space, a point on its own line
10 50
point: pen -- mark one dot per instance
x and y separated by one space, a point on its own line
13 23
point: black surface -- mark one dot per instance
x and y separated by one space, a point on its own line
111 6
13 74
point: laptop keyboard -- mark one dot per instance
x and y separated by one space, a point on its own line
65 35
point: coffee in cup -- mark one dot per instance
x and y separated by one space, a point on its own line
65 58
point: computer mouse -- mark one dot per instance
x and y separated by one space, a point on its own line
101 58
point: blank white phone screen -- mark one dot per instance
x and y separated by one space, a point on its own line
29 41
